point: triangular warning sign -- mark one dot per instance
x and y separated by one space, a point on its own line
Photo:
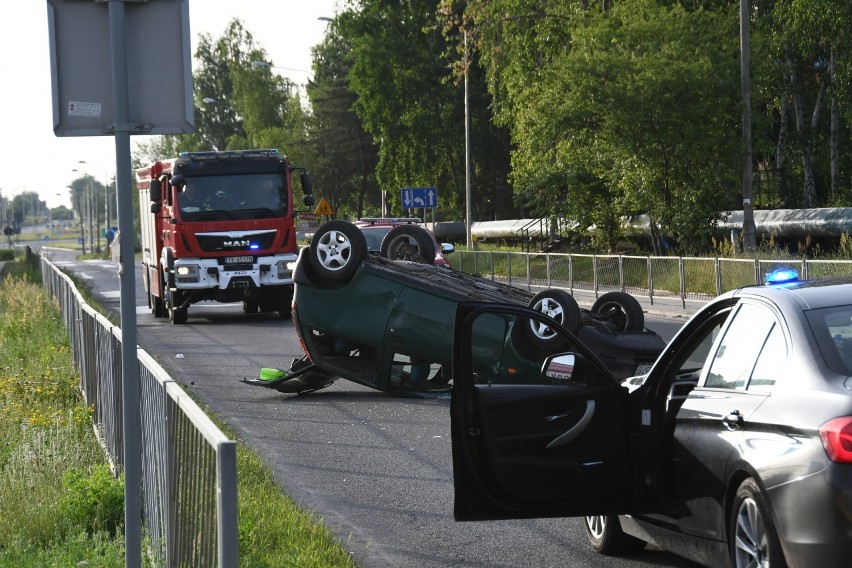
323 208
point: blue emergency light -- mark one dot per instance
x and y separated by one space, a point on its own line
781 276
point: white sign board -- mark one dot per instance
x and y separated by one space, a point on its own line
159 67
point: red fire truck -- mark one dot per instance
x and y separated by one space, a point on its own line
219 226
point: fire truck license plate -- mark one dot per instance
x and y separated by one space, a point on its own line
238 259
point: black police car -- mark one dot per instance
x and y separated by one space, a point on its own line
734 450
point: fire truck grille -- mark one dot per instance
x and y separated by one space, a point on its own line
217 243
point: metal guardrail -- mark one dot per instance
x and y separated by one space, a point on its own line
653 277
189 467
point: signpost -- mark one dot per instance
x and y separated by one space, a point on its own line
421 198
119 68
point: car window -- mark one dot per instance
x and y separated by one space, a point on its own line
832 328
502 353
374 237
695 357
737 352
770 363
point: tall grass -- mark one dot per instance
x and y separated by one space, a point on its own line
59 503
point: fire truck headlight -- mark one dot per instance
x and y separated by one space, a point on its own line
187 273
285 268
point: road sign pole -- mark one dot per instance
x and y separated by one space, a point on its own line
131 399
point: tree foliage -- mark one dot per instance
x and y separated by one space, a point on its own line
239 102
587 110
345 154
413 106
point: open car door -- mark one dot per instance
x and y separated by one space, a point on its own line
539 425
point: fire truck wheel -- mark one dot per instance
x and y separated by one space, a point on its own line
156 305
177 316
620 311
285 304
408 242
561 307
337 249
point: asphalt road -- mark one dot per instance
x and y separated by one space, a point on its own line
377 469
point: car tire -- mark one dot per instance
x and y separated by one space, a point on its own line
752 538
408 242
620 310
606 536
337 249
560 306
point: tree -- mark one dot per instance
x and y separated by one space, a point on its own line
617 110
346 156
412 104
27 208
239 104
805 91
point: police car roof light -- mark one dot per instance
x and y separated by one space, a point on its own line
781 276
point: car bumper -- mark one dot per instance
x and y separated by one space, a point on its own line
202 274
814 517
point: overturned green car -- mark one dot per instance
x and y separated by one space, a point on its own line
386 322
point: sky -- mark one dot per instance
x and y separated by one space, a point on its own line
35 159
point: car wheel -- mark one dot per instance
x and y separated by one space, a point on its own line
560 306
337 248
606 536
620 310
753 540
408 242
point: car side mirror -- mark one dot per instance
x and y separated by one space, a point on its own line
447 248
309 200
563 367
155 208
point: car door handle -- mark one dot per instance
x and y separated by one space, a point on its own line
734 420
576 429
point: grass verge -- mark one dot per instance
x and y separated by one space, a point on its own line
72 510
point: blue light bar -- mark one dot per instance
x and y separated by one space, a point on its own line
781 276
254 246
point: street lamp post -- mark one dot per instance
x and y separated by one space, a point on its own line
106 201
87 202
467 165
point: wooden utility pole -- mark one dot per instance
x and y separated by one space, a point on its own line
749 237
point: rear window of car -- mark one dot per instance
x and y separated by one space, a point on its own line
832 328
374 236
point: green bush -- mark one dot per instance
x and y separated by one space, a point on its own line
93 500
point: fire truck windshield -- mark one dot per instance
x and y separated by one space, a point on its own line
244 196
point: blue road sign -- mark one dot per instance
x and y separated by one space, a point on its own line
420 197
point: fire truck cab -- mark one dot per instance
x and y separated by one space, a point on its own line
219 226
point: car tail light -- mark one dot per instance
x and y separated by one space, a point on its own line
836 437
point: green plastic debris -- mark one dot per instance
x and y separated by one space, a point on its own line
268 374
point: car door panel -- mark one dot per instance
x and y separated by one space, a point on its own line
536 446
703 446
522 446
716 416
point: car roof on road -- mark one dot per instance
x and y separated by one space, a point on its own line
806 294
